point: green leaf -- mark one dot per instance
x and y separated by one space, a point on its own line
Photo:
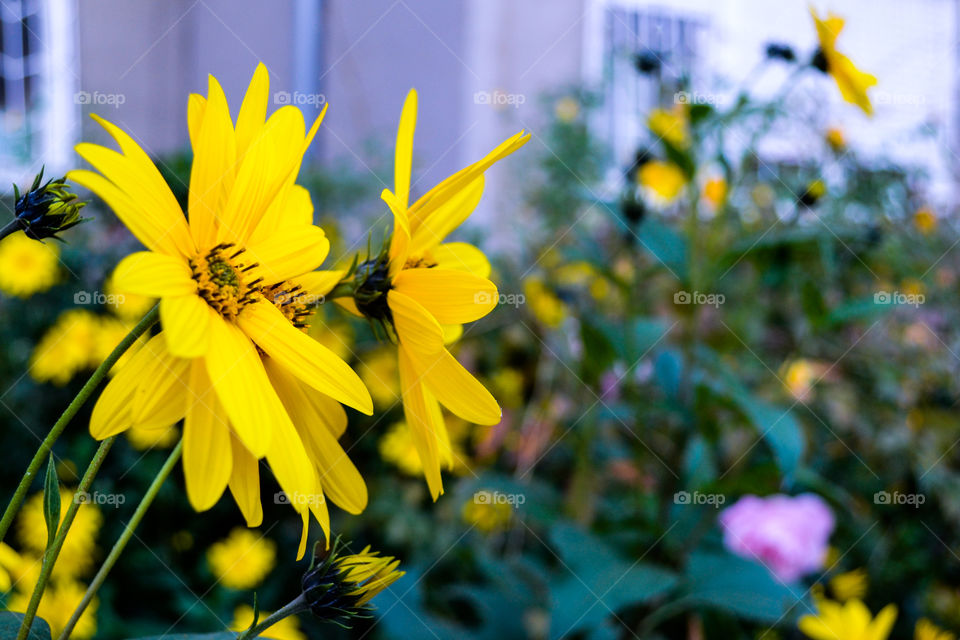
10 625
740 587
665 244
217 635
51 501
597 581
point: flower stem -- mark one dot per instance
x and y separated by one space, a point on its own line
124 538
11 227
101 372
299 604
53 551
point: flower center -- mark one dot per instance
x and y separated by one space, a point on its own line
294 303
373 283
221 279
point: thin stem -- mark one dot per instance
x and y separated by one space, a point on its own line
299 604
11 227
101 372
53 551
124 538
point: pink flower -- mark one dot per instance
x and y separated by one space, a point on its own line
786 534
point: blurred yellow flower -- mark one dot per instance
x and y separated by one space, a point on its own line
79 548
852 82
801 375
850 585
368 573
487 516
715 192
57 605
763 195
378 370
671 126
27 266
849 621
15 568
243 559
128 306
566 109
508 383
835 138
913 287
925 220
285 629
664 180
926 630
397 447
144 437
543 303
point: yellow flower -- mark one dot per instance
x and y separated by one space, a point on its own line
566 109
243 559
509 385
128 306
27 266
57 605
77 555
420 285
849 621
143 438
66 348
671 126
398 448
232 360
925 220
715 192
15 567
379 372
852 82
849 585
926 630
664 180
366 574
836 139
800 376
284 629
543 303
486 516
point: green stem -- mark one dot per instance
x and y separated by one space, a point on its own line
299 604
101 372
53 551
124 538
11 227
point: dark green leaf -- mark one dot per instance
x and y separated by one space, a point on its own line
51 501
10 625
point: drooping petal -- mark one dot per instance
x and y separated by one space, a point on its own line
452 297
403 157
289 252
416 328
245 483
456 388
463 257
155 275
212 171
424 430
443 216
161 396
242 385
186 321
303 356
206 442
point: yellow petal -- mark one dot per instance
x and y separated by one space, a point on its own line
292 467
289 252
111 414
347 304
161 396
207 459
291 208
185 321
303 356
442 217
416 328
155 275
452 297
456 388
400 240
463 257
421 420
245 483
452 333
253 110
319 283
403 159
196 105
243 387
212 171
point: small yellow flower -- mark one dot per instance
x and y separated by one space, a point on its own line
849 621
397 447
566 109
27 266
15 567
509 386
663 180
925 220
852 82
913 287
486 516
378 370
243 559
800 376
285 629
545 305
671 126
850 585
142 438
835 138
926 630
79 548
715 192
57 605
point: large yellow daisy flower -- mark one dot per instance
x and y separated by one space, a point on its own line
425 289
233 359
852 82
849 621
